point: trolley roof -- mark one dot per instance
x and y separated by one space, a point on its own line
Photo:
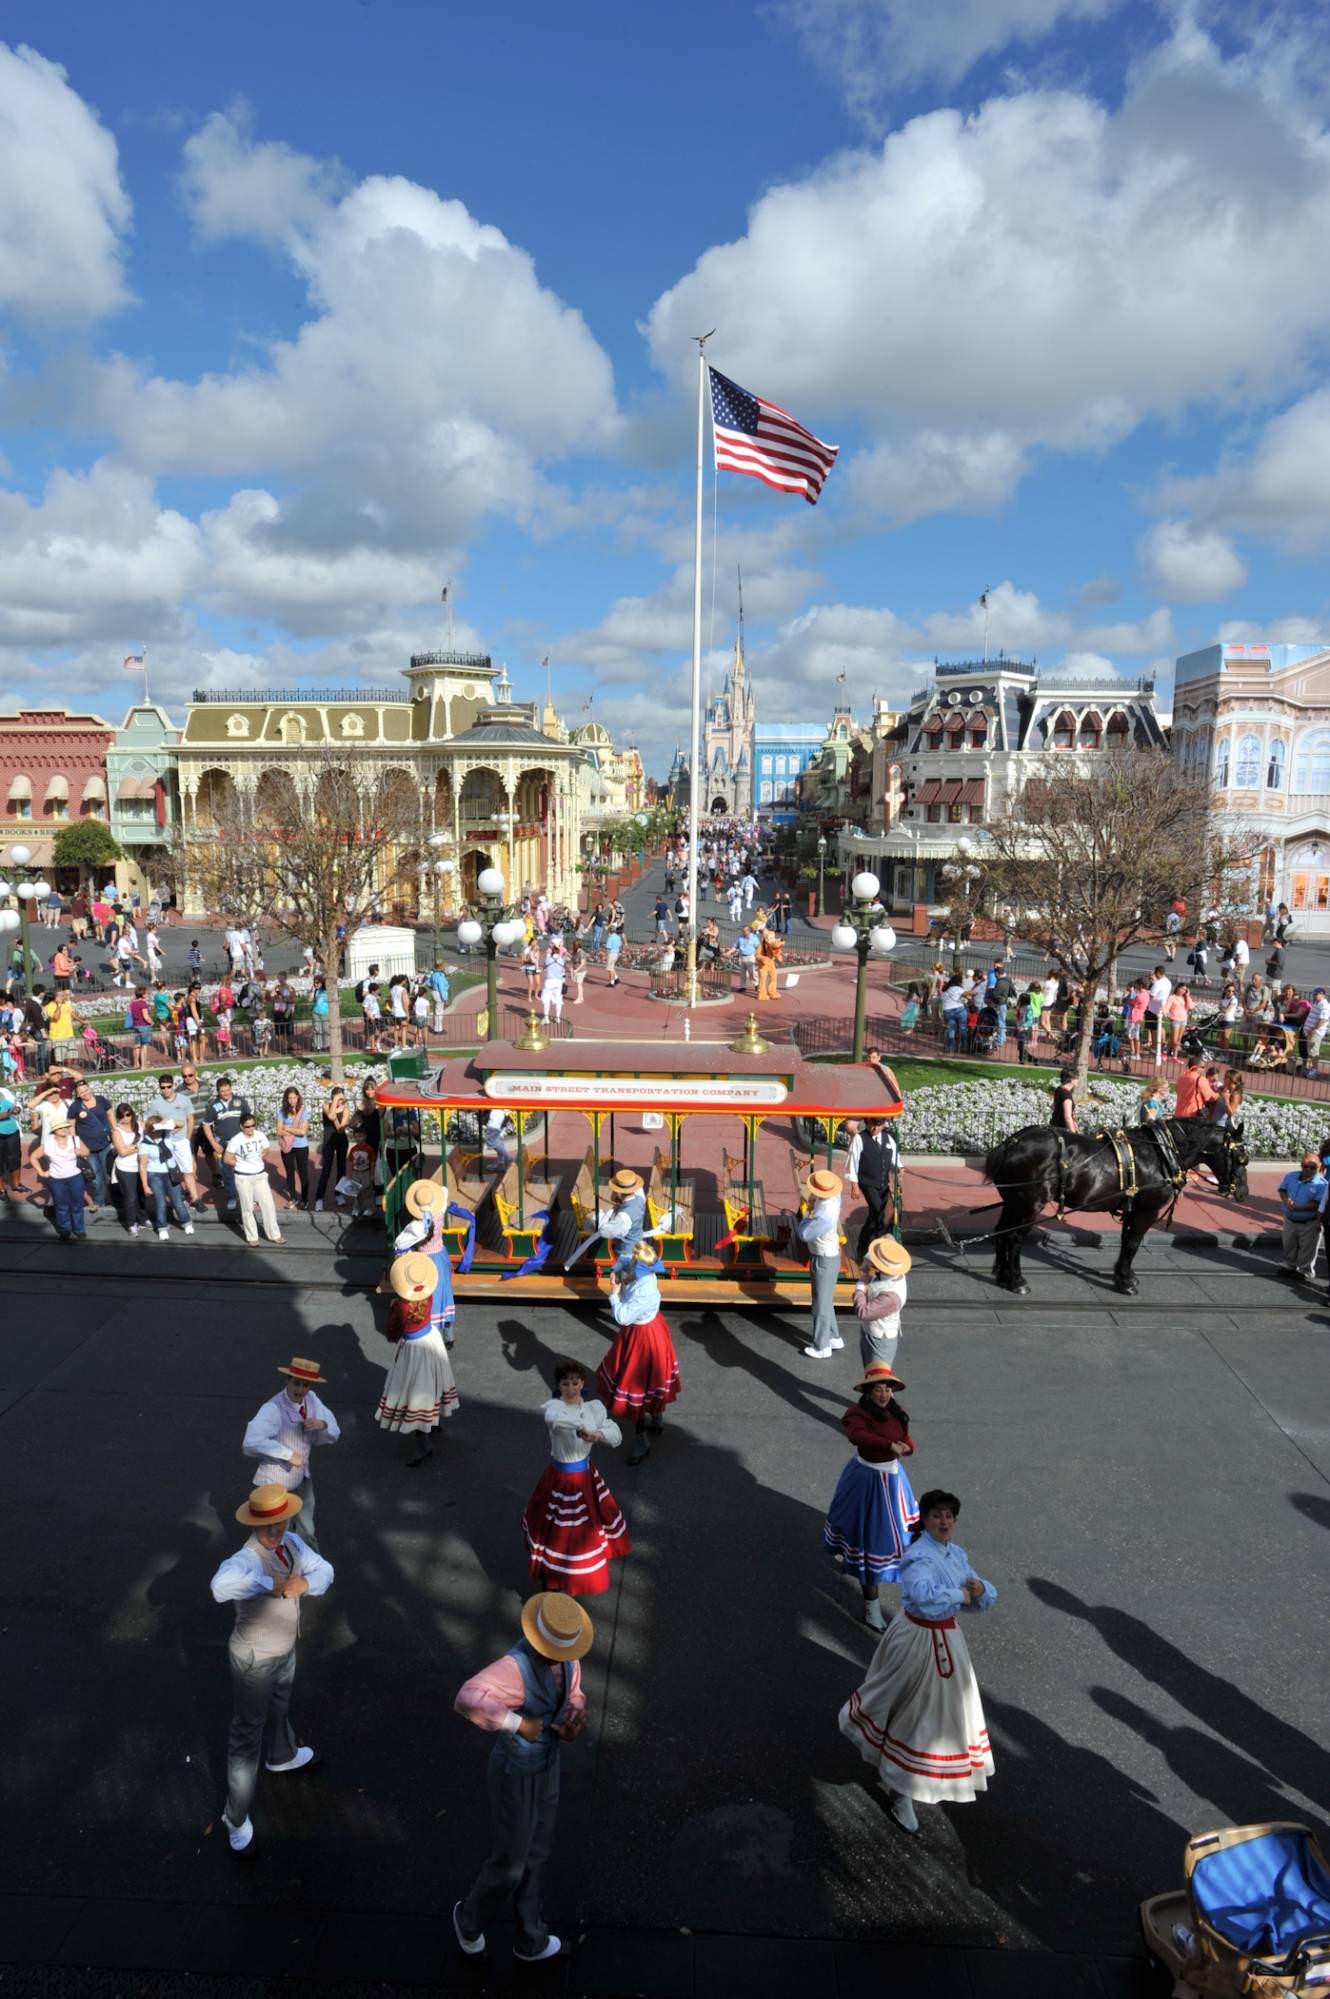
694 1078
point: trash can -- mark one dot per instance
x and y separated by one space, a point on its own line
407 1065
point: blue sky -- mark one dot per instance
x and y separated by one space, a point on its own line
305 310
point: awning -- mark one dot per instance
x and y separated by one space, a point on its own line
20 787
94 788
927 793
136 787
972 791
57 787
949 793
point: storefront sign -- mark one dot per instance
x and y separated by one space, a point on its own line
725 1092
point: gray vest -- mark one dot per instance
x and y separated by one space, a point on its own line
267 1625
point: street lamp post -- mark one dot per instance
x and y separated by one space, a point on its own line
821 871
498 927
862 931
439 868
26 893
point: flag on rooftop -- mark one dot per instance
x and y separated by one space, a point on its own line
134 660
759 438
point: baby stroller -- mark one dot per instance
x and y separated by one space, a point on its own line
985 1031
1193 1040
1253 1918
96 1052
1107 1042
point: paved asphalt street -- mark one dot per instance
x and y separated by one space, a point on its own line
1147 1482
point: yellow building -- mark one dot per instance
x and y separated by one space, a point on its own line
489 787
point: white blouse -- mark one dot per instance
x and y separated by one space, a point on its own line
565 1419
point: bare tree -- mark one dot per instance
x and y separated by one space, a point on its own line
314 858
1091 861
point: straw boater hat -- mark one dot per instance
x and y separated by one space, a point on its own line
823 1184
303 1370
625 1181
557 1626
59 1124
412 1276
888 1256
423 1196
267 1505
875 1374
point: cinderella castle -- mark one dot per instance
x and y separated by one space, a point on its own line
727 747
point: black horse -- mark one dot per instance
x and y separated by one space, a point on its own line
1082 1170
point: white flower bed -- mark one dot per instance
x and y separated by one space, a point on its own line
265 1088
972 1117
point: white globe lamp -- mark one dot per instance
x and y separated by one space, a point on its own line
865 887
9 920
469 932
843 937
881 940
20 856
26 890
489 881
41 890
6 890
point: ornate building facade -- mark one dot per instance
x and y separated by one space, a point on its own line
1256 718
488 787
141 787
727 744
970 742
52 770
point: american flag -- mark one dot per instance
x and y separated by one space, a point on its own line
758 437
134 661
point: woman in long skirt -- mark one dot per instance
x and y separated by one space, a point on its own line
427 1204
868 1524
573 1527
918 1719
639 1376
420 1390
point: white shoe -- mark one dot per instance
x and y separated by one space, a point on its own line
818 1353
189 1228
163 1235
472 1946
318 1207
837 1342
300 1761
239 1836
552 1949
277 1238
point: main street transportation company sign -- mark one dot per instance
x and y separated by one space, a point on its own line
726 1093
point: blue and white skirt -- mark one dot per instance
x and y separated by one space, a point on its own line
869 1520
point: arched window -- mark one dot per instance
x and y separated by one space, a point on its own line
1091 729
933 740
1117 728
1064 731
1311 765
1221 764
1274 769
1247 775
978 731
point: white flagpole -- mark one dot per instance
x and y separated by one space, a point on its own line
695 746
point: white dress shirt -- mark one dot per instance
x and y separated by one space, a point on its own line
820 1228
277 1436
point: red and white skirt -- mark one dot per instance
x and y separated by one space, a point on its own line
419 1391
639 1376
574 1529
918 1719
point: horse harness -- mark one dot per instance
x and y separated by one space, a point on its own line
1124 1158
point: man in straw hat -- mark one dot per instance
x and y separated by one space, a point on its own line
624 1223
532 1701
284 1432
265 1582
879 1298
820 1230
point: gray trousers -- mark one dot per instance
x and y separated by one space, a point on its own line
522 1811
261 1692
873 1346
1302 1239
304 1492
826 1270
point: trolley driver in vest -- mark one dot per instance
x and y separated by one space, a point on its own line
283 1434
869 1165
265 1582
531 1700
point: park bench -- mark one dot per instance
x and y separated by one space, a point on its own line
749 1231
675 1238
520 1237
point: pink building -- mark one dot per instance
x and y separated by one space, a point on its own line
52 770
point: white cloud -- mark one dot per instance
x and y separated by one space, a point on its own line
1190 566
1280 489
1293 629
871 47
935 472
234 185
96 556
254 568
1029 276
64 207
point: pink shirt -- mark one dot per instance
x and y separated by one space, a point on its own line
493 1698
